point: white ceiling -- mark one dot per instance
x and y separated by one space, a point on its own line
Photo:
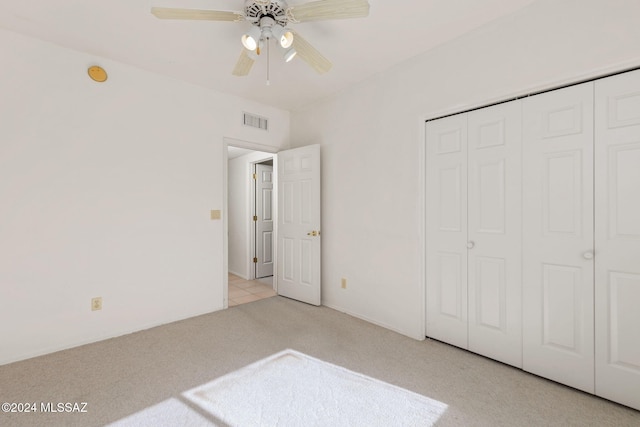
204 52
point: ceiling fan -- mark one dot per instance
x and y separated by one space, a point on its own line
269 19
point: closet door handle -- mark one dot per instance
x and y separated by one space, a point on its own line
588 255
471 244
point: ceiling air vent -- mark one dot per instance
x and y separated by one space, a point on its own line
254 121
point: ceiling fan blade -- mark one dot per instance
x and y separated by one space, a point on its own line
328 9
194 14
244 64
310 55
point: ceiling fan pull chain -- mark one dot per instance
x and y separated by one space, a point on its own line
268 51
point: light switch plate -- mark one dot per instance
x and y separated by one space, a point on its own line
216 214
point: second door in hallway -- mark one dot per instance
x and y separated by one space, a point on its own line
264 220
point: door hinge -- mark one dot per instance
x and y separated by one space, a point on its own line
255 217
255 176
255 260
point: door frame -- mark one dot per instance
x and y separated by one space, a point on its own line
249 145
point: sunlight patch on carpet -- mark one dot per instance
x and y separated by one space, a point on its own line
292 389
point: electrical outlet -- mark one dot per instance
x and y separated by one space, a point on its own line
343 283
96 303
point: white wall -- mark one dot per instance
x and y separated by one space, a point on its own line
372 140
240 211
105 190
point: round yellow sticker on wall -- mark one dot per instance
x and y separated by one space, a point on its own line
97 73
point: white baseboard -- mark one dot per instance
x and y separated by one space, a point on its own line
242 276
375 322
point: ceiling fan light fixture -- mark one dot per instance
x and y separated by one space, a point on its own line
283 35
287 39
289 54
249 42
251 39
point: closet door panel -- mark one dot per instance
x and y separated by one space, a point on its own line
617 257
446 318
495 238
558 318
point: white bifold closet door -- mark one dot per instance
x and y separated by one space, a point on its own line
474 231
617 257
558 236
495 236
447 230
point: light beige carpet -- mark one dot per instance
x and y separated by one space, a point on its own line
290 388
125 377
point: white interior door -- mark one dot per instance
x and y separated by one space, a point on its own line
446 227
558 331
264 220
299 224
495 232
617 257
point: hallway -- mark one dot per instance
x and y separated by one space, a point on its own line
243 291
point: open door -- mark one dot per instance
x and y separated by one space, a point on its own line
299 224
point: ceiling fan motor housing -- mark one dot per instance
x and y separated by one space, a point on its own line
255 10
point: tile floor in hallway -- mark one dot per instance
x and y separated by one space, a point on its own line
242 291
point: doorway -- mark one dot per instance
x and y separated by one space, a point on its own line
250 212
296 234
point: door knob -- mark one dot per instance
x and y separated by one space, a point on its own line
313 233
471 244
588 255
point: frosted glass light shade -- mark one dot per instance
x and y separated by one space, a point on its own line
249 42
287 39
283 35
251 38
289 54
